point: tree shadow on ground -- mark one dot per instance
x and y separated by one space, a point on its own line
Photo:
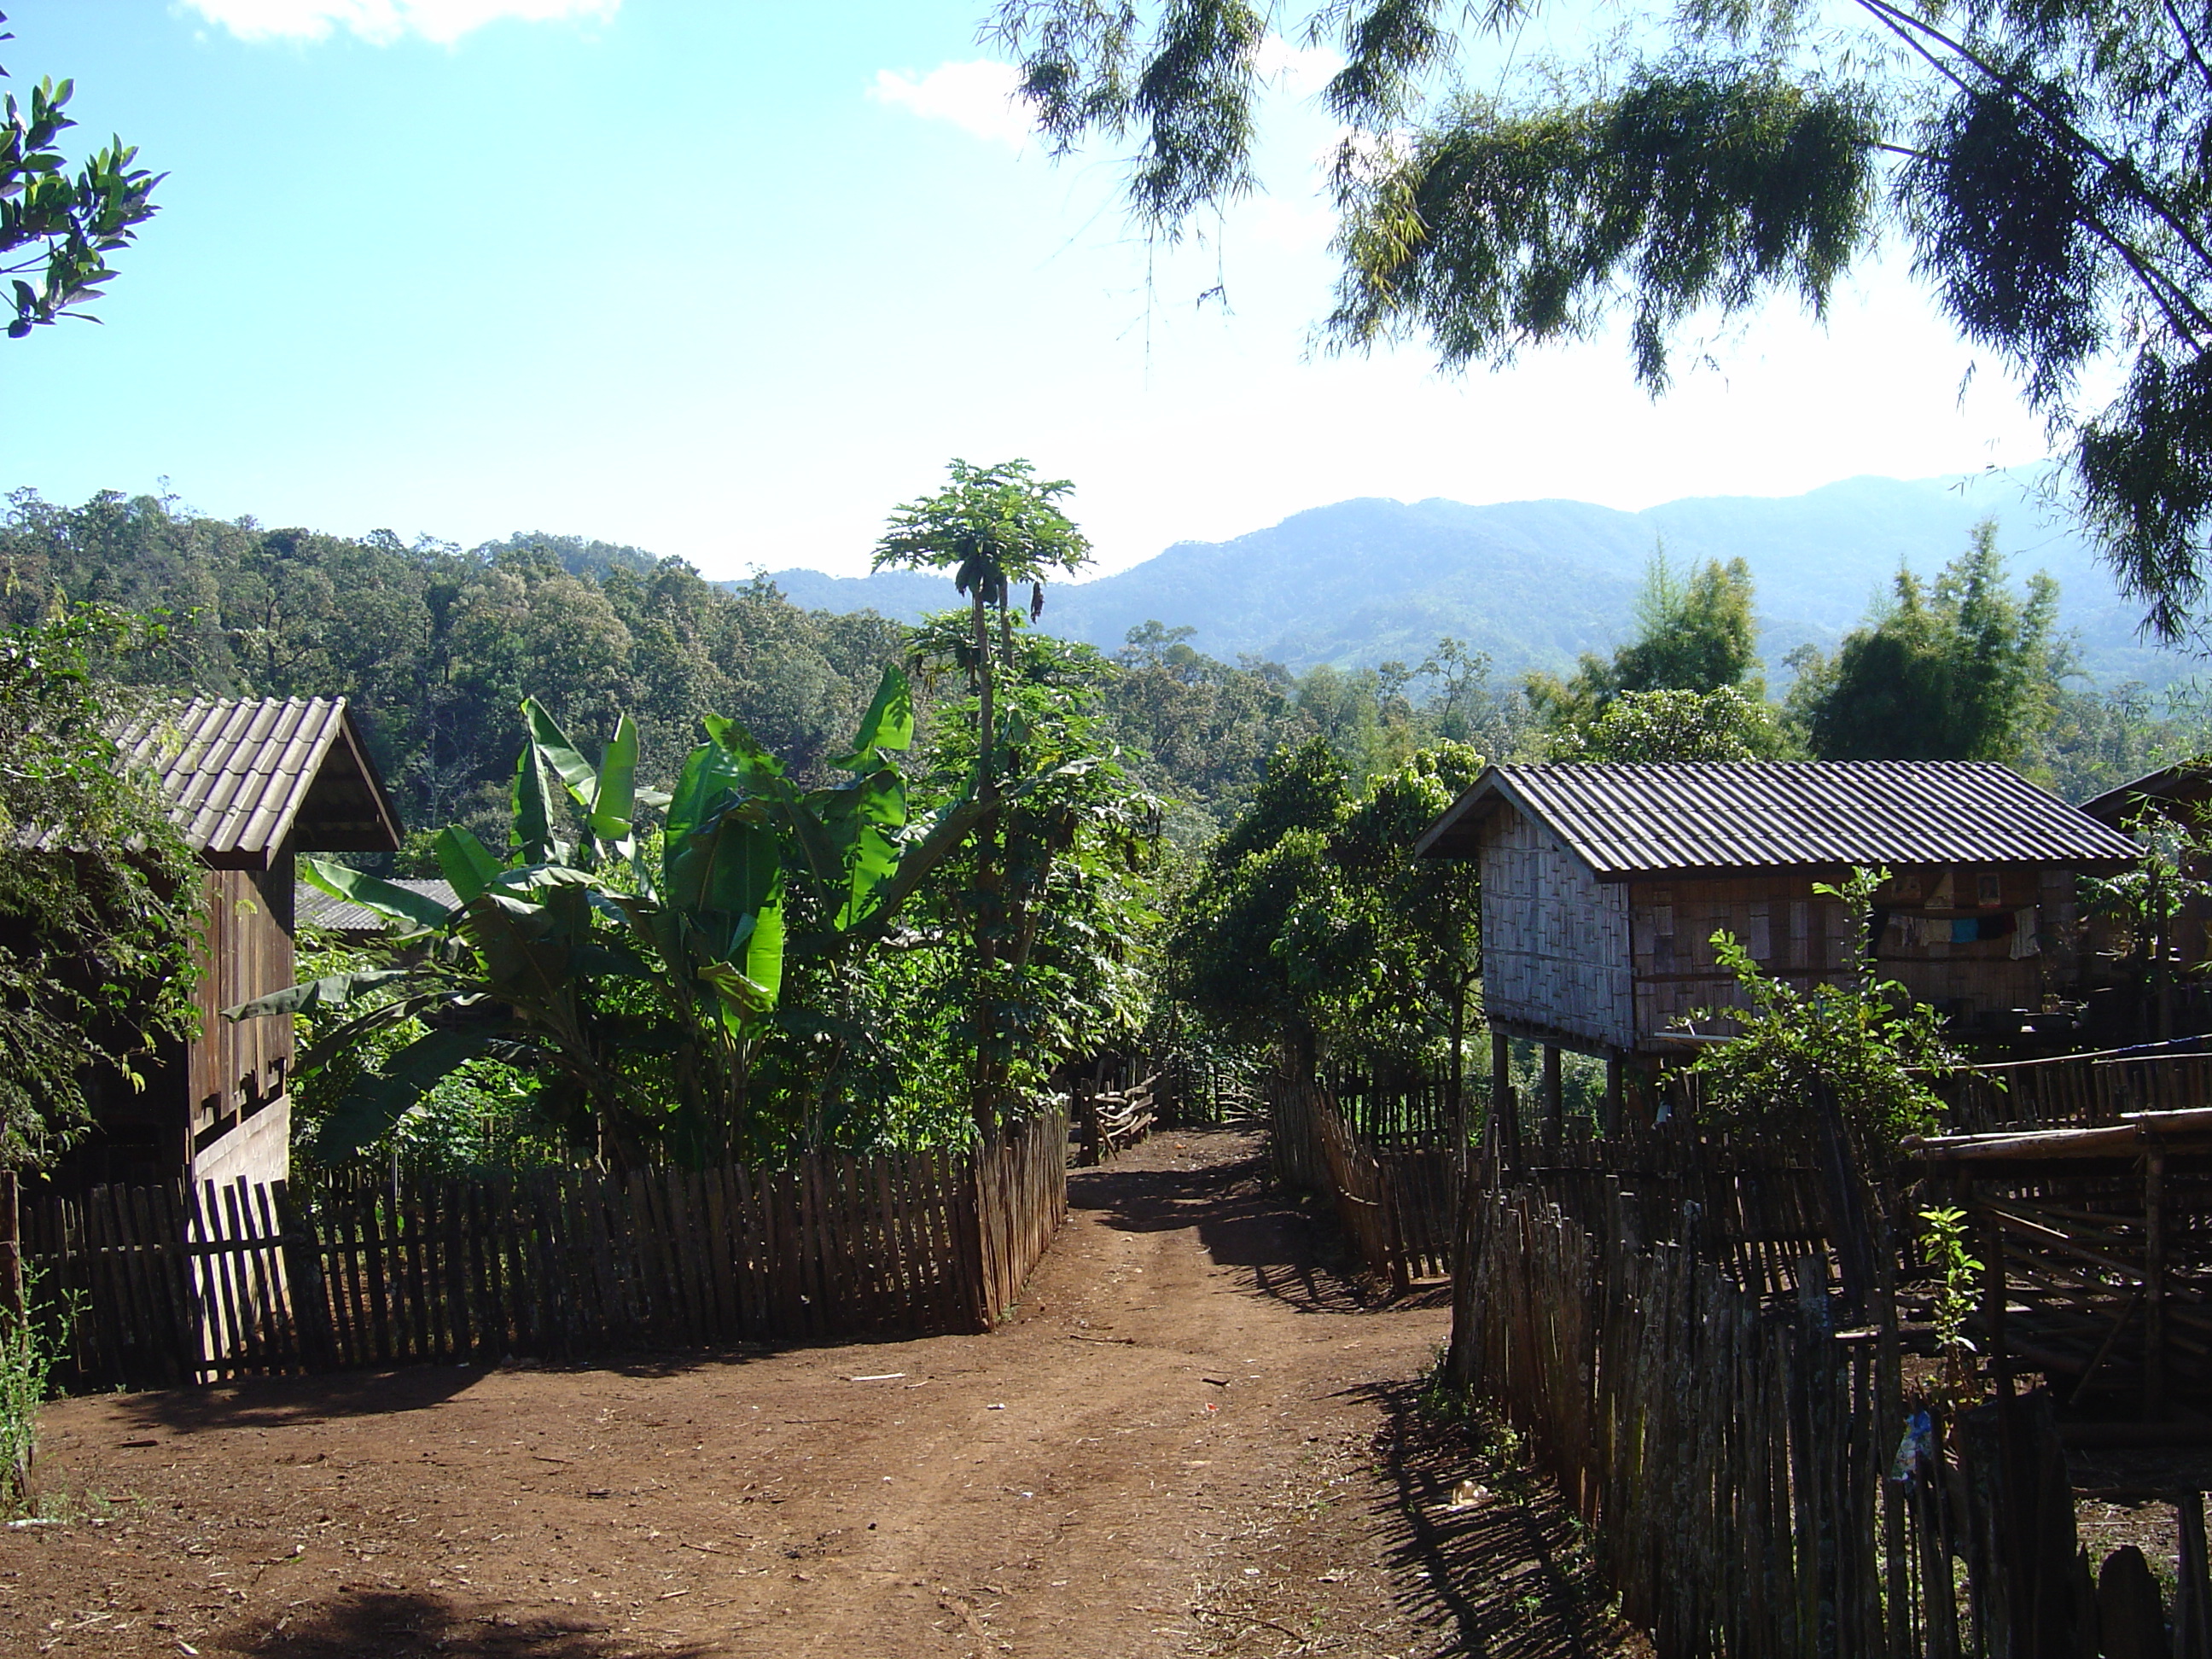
402 1625
1290 1246
1509 1570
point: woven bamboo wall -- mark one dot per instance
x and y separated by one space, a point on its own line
1555 941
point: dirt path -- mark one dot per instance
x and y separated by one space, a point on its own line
1195 1439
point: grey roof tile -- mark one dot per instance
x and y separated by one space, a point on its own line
237 772
1625 820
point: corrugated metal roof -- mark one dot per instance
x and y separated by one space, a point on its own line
1626 821
2184 784
313 908
237 773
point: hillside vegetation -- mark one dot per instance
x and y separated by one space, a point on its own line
1535 584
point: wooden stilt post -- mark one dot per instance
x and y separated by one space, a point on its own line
1502 1106
1614 1093
1554 1108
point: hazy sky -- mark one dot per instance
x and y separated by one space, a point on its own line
724 279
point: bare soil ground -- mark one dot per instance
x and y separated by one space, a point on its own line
1198 1437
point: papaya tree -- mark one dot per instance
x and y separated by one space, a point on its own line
996 528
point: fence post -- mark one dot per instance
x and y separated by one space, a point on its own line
11 1247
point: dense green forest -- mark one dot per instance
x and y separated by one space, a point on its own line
435 647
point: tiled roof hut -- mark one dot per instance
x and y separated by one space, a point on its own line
1603 884
249 784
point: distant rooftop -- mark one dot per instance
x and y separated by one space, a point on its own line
313 908
1626 821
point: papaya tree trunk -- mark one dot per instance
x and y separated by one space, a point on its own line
989 880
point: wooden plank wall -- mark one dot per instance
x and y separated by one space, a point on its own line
1801 937
1555 941
171 1287
232 1066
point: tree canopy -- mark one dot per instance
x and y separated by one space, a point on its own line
1963 670
2043 164
97 891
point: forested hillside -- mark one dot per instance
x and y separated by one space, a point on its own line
436 646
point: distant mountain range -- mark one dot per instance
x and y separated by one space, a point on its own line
1534 583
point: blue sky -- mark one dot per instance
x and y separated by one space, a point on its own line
728 281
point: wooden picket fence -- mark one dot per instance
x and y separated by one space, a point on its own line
163 1286
1728 1459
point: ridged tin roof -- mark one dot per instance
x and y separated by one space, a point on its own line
238 776
1626 821
314 908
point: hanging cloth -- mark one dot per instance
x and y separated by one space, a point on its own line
2024 942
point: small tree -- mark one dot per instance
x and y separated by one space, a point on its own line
1695 633
1844 1066
2153 897
1963 670
97 893
994 528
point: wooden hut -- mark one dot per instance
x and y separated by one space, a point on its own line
2177 997
249 784
1603 886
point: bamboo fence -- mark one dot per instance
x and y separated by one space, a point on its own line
1391 1165
164 1286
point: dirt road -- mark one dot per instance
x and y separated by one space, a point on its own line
1195 1439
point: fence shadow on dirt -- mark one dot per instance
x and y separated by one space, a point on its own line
1506 1573
403 1625
1293 1254
276 1402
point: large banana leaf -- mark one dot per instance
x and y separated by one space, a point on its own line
607 793
332 991
531 830
889 724
558 754
468 863
860 821
380 1100
613 806
386 898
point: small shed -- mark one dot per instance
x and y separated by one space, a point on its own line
1603 886
249 783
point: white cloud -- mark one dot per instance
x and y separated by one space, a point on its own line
1298 69
981 98
1289 226
385 21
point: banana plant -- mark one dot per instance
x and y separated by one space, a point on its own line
531 965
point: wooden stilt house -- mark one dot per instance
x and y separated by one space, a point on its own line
1603 886
250 784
